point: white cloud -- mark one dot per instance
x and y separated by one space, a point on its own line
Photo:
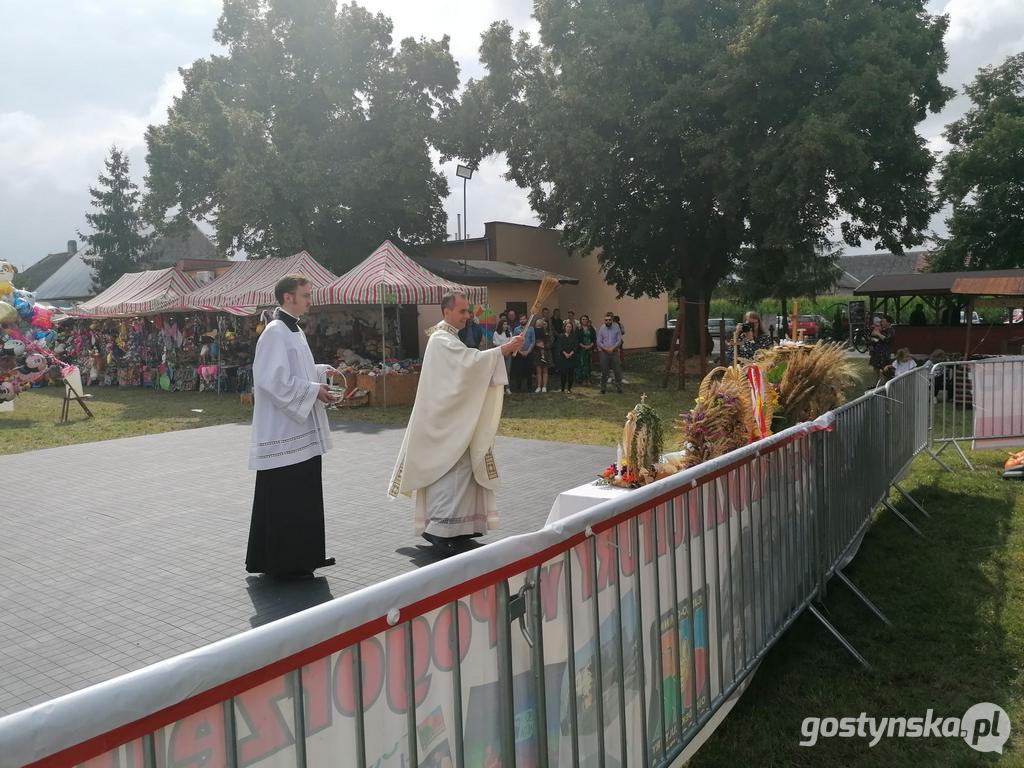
66 152
489 197
462 21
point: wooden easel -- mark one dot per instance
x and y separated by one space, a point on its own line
71 394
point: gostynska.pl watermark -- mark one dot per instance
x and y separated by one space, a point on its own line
985 727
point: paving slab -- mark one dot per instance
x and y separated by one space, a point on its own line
130 551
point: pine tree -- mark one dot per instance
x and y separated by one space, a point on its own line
117 244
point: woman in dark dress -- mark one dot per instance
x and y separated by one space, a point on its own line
542 355
565 350
881 340
587 337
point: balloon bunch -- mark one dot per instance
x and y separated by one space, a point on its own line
26 332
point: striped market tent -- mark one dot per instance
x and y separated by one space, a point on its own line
138 293
388 276
249 285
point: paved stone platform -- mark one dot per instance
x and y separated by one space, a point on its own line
130 551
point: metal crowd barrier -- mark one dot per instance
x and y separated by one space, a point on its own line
613 637
976 400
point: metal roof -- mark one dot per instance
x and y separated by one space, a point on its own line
859 267
990 285
72 281
926 283
474 270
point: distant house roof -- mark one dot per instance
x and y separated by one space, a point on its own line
931 283
72 282
37 274
470 270
190 243
201 265
858 268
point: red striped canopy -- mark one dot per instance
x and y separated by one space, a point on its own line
249 285
388 276
138 293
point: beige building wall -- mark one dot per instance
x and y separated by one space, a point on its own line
498 297
540 248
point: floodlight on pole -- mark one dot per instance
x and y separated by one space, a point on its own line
465 173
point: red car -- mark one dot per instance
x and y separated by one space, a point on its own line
813 326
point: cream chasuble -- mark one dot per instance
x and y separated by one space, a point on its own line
447 455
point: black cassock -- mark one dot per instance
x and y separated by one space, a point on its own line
286 535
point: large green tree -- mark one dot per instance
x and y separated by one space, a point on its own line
983 175
118 242
312 132
685 138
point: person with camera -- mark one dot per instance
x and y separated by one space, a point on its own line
752 336
881 340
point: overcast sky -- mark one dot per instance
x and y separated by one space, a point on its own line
81 75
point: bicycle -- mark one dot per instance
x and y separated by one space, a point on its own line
861 339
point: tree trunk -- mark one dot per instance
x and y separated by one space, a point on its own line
695 326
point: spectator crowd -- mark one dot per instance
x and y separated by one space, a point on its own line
570 351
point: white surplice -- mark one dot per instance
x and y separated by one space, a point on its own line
447 456
289 424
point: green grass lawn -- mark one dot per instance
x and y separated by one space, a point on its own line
585 417
956 600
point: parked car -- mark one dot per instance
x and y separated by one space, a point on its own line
813 326
715 323
975 318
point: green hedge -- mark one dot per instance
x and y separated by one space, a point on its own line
824 305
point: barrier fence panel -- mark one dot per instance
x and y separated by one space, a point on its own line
612 637
976 401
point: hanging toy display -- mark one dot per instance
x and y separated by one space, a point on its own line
26 333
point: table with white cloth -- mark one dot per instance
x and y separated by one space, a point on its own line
586 496
580 498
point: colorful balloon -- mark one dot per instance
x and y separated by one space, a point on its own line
42 318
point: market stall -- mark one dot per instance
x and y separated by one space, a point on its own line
248 286
389 278
170 351
137 294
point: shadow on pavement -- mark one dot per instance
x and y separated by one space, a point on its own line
426 554
273 599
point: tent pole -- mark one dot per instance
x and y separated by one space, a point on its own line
383 350
220 344
398 325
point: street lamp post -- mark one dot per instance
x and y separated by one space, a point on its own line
465 173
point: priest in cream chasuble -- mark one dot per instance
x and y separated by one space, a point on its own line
447 457
290 434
